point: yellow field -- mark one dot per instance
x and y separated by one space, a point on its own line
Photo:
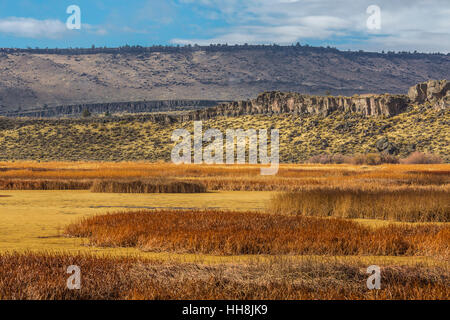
34 220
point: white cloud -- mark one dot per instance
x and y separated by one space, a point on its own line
32 28
405 24
44 29
97 30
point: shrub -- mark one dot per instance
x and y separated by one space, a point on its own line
421 158
359 159
388 158
329 159
369 159
86 113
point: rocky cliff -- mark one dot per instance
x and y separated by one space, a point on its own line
115 107
279 102
433 93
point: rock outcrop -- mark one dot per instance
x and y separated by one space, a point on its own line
116 107
299 104
433 92
266 103
279 102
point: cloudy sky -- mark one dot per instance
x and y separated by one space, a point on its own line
409 25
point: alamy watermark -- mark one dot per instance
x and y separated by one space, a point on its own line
374 20
235 145
74 281
374 280
74 20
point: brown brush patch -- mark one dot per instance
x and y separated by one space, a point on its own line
156 186
38 184
400 204
43 277
236 233
239 177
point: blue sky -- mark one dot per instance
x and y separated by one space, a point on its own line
422 25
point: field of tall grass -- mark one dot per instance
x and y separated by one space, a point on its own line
43 276
28 175
238 233
44 184
324 211
419 204
155 186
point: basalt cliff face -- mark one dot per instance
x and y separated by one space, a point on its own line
436 93
115 107
433 93
279 102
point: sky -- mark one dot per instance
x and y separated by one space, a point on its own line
370 25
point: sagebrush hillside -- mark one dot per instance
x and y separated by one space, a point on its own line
420 128
45 78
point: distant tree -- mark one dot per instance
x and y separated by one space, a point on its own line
86 113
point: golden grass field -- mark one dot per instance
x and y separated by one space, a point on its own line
49 223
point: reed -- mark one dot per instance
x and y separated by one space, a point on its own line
43 277
156 186
39 184
233 177
237 233
399 204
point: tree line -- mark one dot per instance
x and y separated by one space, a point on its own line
137 49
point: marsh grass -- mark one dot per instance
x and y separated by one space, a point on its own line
76 175
42 184
239 233
398 204
154 186
43 276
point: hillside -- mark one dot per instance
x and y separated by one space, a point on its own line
419 128
41 79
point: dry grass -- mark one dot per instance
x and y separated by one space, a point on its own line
138 186
229 177
43 276
235 233
404 192
399 204
41 184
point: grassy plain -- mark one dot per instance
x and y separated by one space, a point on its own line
33 222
